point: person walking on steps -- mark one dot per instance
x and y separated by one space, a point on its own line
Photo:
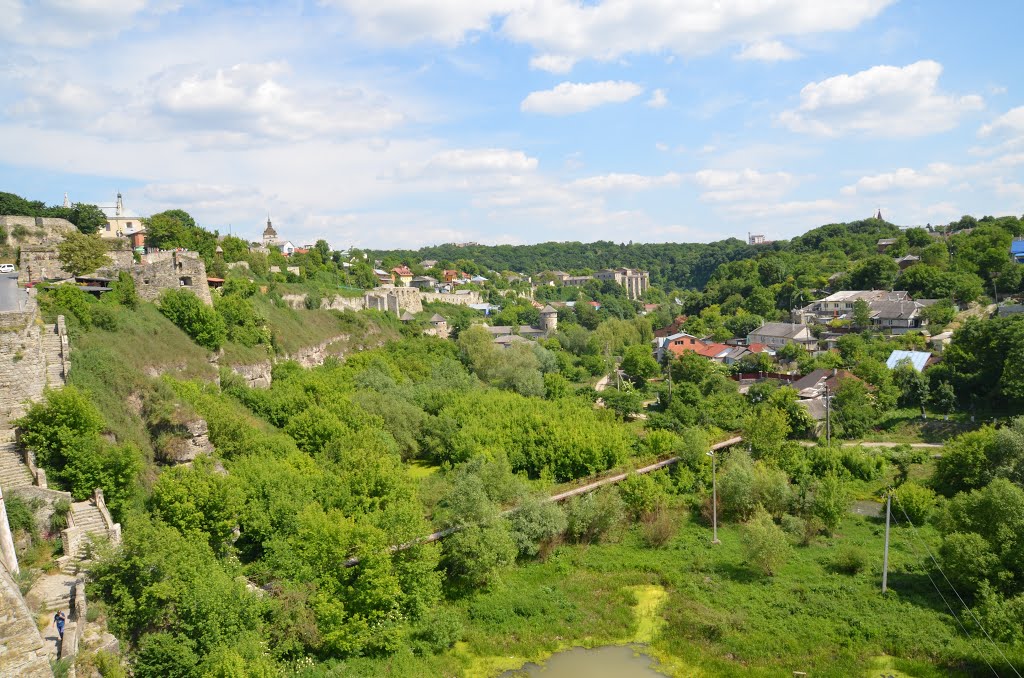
59 619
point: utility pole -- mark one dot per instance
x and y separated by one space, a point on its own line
828 417
714 500
885 553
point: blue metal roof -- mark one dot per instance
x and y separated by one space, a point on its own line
1017 247
916 358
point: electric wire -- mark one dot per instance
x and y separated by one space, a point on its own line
959 597
950 608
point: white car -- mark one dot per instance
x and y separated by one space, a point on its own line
6 268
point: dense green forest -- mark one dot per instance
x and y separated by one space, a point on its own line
275 554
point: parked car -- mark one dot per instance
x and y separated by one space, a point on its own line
7 268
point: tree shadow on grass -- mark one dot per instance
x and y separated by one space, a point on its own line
915 587
741 573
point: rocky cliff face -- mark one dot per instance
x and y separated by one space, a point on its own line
256 375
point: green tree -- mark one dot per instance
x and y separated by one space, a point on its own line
916 501
861 313
534 522
830 502
765 544
87 218
483 545
123 290
765 429
80 254
852 409
639 364
874 273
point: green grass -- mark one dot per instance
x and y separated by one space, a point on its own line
719 617
296 329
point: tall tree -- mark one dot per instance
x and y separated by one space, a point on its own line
80 253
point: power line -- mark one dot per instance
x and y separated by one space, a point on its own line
958 596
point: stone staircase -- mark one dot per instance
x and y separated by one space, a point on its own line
54 351
13 471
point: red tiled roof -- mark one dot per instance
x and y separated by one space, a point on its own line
757 348
710 350
402 270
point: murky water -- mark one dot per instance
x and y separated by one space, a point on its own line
601 662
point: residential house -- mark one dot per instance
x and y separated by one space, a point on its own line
776 335
428 263
577 280
885 243
840 304
907 261
383 277
918 359
423 282
900 317
1017 250
672 328
403 275
680 343
812 390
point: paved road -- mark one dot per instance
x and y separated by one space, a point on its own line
10 294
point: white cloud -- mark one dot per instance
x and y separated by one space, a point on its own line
661 146
403 22
73 23
613 28
566 31
577 97
231 107
552 63
884 101
1010 124
629 182
771 50
902 179
742 185
658 99
481 160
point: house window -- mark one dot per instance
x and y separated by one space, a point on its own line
108 227
128 225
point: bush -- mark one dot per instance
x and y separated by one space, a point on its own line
640 494
794 526
105 318
204 325
916 501
593 515
534 523
765 543
850 559
436 632
19 515
658 527
59 517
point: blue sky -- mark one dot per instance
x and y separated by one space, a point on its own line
400 123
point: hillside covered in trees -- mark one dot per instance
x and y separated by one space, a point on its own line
292 545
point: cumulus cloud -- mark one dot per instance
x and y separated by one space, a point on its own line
73 23
772 50
884 101
232 107
481 160
658 99
628 182
721 185
403 22
902 179
1010 123
552 63
564 32
577 97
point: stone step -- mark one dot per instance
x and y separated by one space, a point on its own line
13 471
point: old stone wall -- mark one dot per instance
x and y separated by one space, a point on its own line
42 262
22 366
470 297
27 231
22 652
395 300
170 271
340 303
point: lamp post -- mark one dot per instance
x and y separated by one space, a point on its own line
714 500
